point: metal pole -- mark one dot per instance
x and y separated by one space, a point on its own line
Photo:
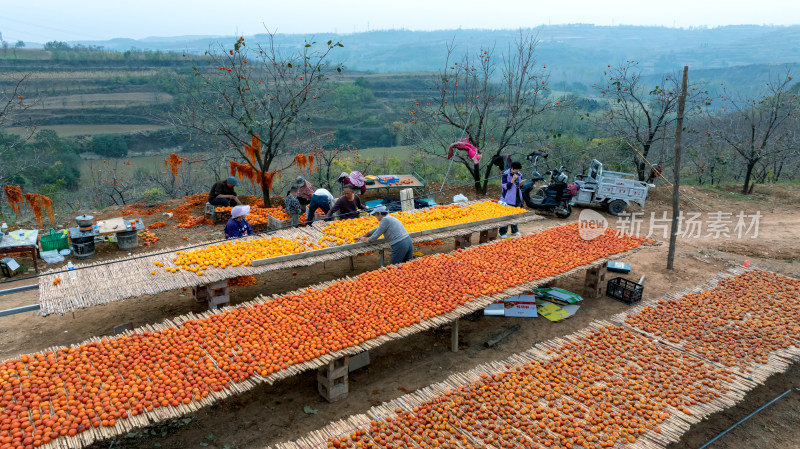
447 174
24 288
746 418
16 310
454 156
673 237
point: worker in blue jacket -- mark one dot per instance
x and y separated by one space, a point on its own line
237 225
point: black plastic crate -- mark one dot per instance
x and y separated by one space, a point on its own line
624 290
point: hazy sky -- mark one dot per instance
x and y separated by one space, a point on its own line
47 20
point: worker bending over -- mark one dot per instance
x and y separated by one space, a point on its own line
222 193
394 232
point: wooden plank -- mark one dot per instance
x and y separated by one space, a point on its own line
111 225
319 252
507 218
454 336
494 340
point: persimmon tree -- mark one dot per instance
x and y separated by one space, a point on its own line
490 97
761 129
182 174
111 183
254 96
331 158
13 105
641 112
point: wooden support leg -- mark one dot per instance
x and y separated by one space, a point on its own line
595 283
216 294
488 235
35 256
332 382
463 241
454 336
383 257
352 264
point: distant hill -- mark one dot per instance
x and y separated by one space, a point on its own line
127 85
574 53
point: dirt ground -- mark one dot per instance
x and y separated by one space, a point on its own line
270 414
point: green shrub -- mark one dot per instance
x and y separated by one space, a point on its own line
153 194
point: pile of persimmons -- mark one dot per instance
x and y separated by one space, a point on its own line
596 389
242 281
737 323
69 390
234 254
431 218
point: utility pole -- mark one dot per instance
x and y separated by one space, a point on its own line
677 184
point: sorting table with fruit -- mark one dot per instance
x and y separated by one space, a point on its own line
190 267
397 182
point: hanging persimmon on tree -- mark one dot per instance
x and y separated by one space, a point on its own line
254 95
14 196
172 163
36 202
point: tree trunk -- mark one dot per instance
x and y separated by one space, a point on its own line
480 188
641 168
747 176
265 192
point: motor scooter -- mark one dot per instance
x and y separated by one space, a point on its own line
555 197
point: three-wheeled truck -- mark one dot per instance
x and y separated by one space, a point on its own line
610 189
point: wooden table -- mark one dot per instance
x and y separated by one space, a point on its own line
112 225
29 244
416 184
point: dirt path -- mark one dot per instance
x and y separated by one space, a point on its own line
270 414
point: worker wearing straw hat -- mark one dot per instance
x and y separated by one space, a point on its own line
392 230
237 225
355 180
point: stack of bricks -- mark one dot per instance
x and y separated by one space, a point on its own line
463 241
332 379
488 235
216 294
595 284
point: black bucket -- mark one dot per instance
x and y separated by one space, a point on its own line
83 247
127 240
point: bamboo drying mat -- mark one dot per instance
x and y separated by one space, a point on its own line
671 429
125 278
235 388
777 361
